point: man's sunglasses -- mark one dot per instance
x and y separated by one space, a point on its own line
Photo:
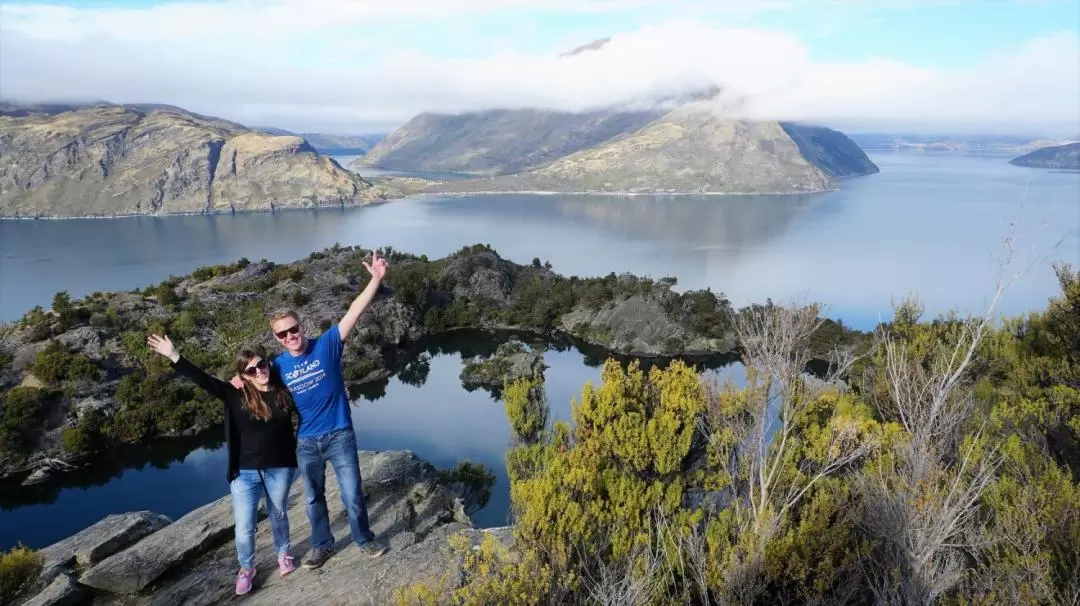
292 330
251 371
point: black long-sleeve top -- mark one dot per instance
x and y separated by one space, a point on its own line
252 443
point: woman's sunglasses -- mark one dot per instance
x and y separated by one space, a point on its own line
251 371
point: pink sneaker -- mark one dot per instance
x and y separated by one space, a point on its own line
286 564
243 580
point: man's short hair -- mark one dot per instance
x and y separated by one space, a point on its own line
283 313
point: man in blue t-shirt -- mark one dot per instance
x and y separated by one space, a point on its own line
311 369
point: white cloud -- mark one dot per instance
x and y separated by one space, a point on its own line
259 63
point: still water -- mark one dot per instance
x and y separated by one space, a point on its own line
928 224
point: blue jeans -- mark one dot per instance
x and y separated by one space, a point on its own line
338 447
247 488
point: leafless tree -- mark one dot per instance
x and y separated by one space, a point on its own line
631 580
758 435
921 501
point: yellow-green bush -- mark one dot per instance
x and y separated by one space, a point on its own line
19 569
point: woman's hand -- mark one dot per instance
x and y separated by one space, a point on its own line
164 346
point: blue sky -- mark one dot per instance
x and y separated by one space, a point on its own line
344 64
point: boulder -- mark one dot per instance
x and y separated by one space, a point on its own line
103 539
41 474
63 591
134 568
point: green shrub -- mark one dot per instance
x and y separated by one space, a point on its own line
55 363
19 417
19 570
164 294
76 440
213 271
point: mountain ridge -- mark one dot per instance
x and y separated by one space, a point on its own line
1061 157
691 149
148 159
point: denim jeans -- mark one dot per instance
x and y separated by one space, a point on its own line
247 488
339 448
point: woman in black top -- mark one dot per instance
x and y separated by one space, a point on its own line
262 449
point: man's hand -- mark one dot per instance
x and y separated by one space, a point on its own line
377 267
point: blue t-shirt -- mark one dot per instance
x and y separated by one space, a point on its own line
315 381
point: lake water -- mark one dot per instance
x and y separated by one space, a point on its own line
928 224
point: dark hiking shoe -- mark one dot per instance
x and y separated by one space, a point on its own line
372 548
317 558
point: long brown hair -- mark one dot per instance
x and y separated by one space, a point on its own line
253 402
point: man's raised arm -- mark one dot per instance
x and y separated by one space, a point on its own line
377 269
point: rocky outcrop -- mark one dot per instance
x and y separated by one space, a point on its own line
136 567
136 160
1060 157
96 543
641 323
62 591
192 561
512 361
693 149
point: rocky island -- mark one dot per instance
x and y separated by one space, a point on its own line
1059 157
511 361
114 160
78 378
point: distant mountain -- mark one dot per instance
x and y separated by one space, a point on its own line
498 141
107 160
689 150
341 144
680 142
331 144
989 144
1064 157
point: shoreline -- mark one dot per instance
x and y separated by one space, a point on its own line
192 214
619 194
546 193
